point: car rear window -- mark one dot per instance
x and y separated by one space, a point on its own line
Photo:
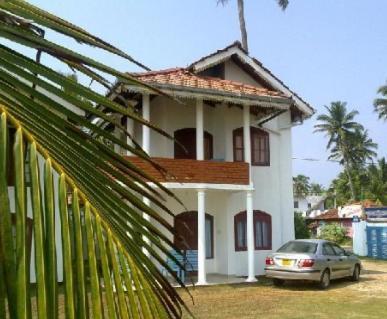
300 247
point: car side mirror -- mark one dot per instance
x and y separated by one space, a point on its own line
347 253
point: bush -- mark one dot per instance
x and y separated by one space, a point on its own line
300 228
333 232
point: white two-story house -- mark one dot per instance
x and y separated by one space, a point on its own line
234 119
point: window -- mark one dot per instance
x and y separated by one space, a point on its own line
328 250
296 204
309 205
338 250
186 232
298 247
260 146
185 144
262 231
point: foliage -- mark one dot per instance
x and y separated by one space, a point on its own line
333 232
301 185
380 103
118 278
369 182
316 188
348 142
301 229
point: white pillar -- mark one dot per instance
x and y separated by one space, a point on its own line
145 129
250 237
130 130
199 130
146 148
202 280
246 137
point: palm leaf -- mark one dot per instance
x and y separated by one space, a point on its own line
64 155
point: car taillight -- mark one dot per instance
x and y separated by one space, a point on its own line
304 263
269 261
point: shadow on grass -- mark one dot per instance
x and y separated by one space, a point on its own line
313 286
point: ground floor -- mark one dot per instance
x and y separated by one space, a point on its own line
344 299
228 232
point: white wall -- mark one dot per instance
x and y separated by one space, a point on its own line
273 184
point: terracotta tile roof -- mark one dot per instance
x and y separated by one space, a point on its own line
239 46
192 171
181 77
367 203
329 215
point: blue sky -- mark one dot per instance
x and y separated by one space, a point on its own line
325 50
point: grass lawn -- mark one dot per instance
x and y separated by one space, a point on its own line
344 299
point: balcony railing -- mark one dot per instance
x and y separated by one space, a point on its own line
193 171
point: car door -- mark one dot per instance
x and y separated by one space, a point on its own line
331 260
344 262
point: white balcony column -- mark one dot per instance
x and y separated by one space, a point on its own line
130 130
247 137
146 148
146 129
250 237
202 280
199 130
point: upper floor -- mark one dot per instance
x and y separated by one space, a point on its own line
225 109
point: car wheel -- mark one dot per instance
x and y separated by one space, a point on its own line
356 273
325 279
278 282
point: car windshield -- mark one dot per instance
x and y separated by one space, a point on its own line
298 247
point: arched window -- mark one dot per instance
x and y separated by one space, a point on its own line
185 144
262 231
260 146
186 232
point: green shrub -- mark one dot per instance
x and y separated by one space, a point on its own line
300 227
333 232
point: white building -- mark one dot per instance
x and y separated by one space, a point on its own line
312 205
238 195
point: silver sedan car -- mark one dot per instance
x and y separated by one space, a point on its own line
312 259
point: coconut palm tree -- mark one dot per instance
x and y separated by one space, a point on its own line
301 185
377 181
316 188
242 22
51 152
380 104
339 125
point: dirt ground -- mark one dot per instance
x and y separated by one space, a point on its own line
344 299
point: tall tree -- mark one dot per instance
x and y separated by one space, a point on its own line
339 126
41 129
242 21
316 188
380 104
301 185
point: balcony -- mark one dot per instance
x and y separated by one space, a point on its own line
194 171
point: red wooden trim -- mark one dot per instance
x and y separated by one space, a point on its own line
187 138
185 218
241 216
254 131
257 216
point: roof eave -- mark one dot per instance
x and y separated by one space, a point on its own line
235 49
183 91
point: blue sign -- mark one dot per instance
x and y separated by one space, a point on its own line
376 212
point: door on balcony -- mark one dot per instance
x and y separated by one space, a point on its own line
185 144
186 232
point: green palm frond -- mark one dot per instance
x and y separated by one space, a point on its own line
380 104
63 154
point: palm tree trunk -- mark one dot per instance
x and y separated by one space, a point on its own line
350 181
242 24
